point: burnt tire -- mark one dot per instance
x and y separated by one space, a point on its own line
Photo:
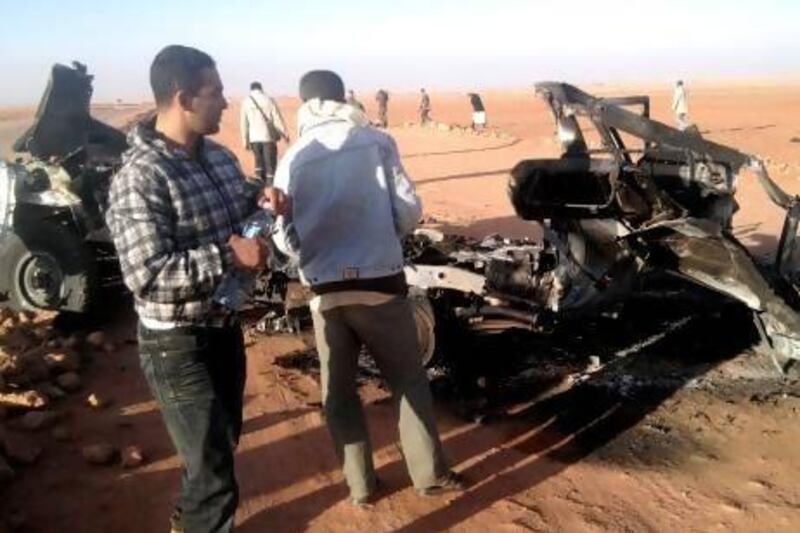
46 265
426 326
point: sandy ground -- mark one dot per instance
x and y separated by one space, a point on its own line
688 458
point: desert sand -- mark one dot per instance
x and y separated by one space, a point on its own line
696 460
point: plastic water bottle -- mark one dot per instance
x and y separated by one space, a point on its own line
237 285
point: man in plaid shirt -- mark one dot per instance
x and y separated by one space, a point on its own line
176 209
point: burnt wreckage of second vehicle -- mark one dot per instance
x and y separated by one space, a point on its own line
629 204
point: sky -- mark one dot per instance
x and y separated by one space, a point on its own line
400 45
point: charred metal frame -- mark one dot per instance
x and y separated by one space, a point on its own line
609 118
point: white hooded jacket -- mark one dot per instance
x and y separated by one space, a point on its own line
351 197
253 123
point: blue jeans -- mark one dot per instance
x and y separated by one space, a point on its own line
197 376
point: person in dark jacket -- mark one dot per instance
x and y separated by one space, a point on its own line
478 111
382 97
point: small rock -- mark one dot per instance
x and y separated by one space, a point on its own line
54 343
52 392
26 399
21 449
16 520
96 339
70 381
6 472
61 433
132 457
32 367
96 402
73 341
36 420
5 314
102 453
41 333
62 361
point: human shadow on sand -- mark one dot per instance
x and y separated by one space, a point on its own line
543 426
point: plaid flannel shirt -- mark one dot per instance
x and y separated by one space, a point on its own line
170 217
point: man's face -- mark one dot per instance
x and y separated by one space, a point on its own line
204 109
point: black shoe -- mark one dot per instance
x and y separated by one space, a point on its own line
450 482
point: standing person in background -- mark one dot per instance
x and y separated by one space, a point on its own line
424 107
262 127
382 97
352 203
478 111
680 105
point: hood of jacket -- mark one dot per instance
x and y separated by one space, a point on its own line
316 112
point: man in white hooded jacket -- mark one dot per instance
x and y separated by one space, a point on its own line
262 127
351 202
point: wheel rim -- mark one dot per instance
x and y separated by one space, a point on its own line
426 323
40 279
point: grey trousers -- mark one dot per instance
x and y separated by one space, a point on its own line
389 332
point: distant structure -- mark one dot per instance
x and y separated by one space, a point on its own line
478 111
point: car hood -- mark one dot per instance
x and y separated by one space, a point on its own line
63 124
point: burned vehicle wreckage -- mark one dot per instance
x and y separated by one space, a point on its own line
618 220
631 206
55 251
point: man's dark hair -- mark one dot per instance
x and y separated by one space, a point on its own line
322 84
177 68
256 86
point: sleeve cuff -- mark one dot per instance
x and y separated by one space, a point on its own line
226 254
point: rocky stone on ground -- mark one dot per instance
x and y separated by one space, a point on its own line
132 457
54 343
62 433
51 391
5 315
36 420
62 361
16 520
96 402
70 381
29 399
6 472
21 449
101 453
96 339
73 341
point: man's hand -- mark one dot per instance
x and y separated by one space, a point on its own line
248 254
275 200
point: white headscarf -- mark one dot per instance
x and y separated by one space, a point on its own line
315 112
